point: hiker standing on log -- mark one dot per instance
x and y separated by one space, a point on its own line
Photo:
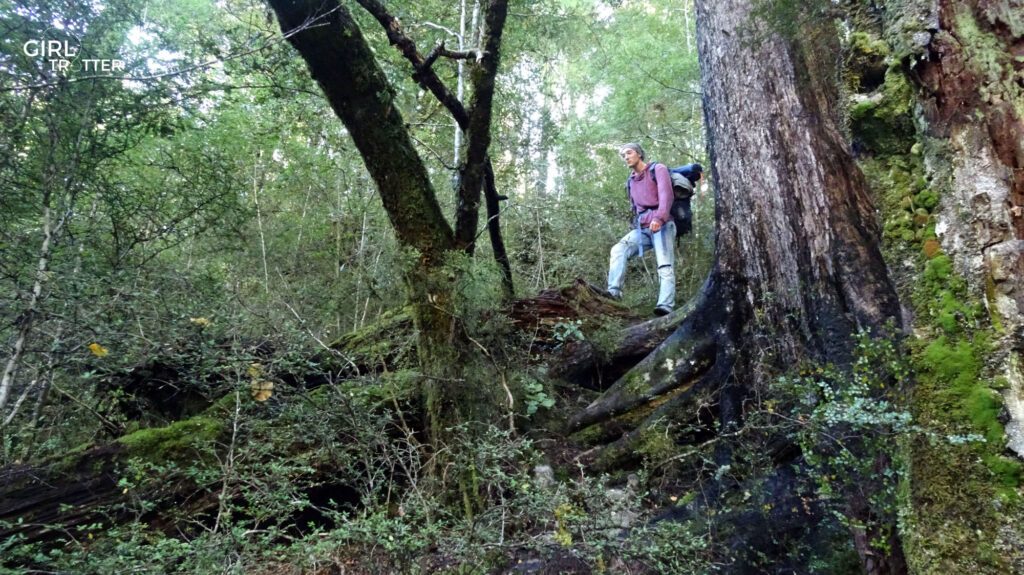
650 192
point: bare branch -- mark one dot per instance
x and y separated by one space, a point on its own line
423 74
443 29
440 50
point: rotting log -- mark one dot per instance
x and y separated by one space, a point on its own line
58 498
386 345
64 494
580 300
62 500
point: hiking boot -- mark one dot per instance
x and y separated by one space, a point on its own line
617 296
662 310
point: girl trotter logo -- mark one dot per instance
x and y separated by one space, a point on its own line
62 54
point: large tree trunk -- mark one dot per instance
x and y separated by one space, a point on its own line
799 271
971 80
797 235
963 65
798 241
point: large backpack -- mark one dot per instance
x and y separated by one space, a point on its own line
684 179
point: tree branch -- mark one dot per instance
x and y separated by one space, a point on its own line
478 132
423 74
478 135
340 60
440 50
680 409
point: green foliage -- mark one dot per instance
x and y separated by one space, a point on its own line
670 547
568 331
850 430
536 396
882 121
217 216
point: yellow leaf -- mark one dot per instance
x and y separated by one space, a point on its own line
98 350
200 321
261 390
255 370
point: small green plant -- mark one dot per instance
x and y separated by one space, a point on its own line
537 397
568 331
670 547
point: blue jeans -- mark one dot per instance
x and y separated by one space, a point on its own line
663 243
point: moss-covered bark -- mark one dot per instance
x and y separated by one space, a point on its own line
930 136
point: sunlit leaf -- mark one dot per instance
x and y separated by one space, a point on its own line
98 350
261 390
255 370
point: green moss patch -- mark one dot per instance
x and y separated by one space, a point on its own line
175 441
961 488
882 122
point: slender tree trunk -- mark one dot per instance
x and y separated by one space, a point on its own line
27 319
478 129
257 187
340 60
51 229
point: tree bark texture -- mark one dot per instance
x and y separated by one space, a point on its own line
964 61
799 270
796 226
972 81
968 65
798 239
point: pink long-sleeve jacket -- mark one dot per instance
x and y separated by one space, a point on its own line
654 195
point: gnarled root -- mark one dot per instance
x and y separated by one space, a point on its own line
677 385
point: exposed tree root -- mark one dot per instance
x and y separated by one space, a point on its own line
689 406
676 362
662 372
584 364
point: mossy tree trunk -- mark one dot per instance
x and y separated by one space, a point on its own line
340 60
963 65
